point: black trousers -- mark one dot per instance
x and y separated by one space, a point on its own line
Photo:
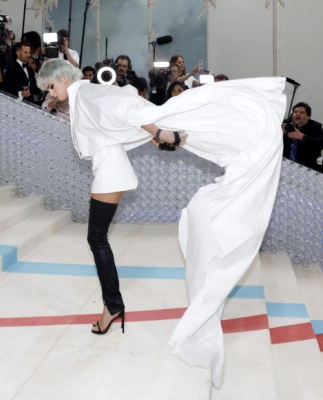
101 215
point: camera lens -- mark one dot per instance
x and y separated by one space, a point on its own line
51 52
159 80
106 76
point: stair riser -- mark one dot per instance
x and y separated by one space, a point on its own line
5 193
19 216
41 235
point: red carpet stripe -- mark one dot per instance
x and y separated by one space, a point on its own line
292 333
131 316
320 341
283 334
229 326
245 324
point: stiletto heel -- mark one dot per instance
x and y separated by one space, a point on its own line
122 322
102 332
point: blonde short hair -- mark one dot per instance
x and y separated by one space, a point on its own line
57 69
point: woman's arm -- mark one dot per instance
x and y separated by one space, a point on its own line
165 136
192 73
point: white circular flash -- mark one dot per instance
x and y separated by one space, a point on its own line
112 72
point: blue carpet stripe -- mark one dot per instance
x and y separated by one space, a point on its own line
8 254
247 292
90 270
317 326
289 310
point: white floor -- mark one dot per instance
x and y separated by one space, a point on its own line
50 295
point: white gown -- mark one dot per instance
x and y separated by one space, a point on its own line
235 124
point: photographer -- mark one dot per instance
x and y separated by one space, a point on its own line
303 137
158 94
7 56
125 74
64 51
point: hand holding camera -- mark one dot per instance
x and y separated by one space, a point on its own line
292 131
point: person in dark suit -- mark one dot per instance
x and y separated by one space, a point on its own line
19 79
158 95
305 142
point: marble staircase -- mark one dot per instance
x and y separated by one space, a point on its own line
49 295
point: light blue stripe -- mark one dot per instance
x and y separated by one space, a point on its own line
289 310
317 326
90 270
247 292
52 268
152 272
9 255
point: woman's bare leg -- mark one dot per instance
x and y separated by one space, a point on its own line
112 198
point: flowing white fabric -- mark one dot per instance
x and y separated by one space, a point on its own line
237 125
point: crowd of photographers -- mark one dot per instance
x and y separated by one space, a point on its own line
21 61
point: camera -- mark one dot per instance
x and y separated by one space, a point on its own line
4 19
158 74
290 127
158 78
51 43
3 33
109 62
131 76
106 77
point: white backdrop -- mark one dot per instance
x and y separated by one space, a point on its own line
240 37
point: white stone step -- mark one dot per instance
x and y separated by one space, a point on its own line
142 353
15 210
240 362
310 282
298 364
6 193
35 229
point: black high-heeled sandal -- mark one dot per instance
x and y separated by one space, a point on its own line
102 332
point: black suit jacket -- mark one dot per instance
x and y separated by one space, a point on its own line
310 147
15 79
159 97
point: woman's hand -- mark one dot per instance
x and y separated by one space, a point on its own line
193 71
169 137
164 136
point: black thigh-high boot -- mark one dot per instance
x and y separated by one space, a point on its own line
101 215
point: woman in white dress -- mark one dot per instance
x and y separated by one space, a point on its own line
238 126
112 172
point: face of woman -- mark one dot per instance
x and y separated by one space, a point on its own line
31 63
177 89
58 89
180 63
